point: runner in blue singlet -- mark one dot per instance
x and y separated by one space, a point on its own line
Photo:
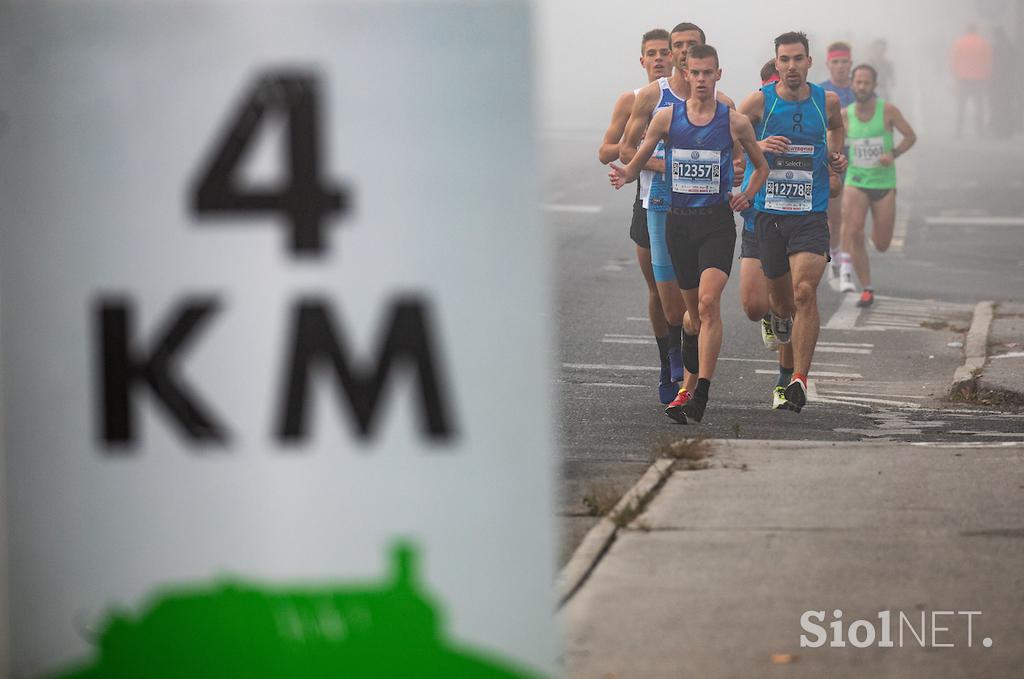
802 127
699 136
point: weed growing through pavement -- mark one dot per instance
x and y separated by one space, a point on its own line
690 454
970 393
600 500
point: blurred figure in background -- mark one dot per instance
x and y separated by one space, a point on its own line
1004 91
883 67
971 61
839 59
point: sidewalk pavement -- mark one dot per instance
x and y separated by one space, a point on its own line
710 580
1003 372
993 370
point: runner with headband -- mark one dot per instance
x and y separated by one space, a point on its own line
839 61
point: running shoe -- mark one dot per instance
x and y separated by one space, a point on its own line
694 409
690 354
867 298
846 282
675 409
767 334
666 387
675 364
779 399
796 395
782 328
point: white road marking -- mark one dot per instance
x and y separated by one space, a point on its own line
578 209
988 433
624 340
883 328
817 373
608 339
645 368
966 413
965 444
814 397
602 366
1012 354
873 395
906 301
880 401
845 317
907 318
974 221
614 384
846 344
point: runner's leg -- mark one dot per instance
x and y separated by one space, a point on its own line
712 283
654 311
883 220
855 210
806 269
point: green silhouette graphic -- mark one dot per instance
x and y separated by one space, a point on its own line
247 632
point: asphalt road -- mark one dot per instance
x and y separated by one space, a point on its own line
880 374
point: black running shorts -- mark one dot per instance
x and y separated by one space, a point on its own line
748 245
779 236
699 239
638 227
874 195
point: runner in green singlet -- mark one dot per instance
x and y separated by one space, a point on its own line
870 122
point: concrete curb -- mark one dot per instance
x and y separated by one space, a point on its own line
975 348
601 536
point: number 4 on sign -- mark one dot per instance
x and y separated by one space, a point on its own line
306 201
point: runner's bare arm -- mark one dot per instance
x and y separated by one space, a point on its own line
658 130
609 149
643 108
743 133
895 116
738 164
836 132
753 107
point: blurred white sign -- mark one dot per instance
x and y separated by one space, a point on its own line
273 284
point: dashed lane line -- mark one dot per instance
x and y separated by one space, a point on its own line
846 344
575 209
974 221
817 373
875 395
878 401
